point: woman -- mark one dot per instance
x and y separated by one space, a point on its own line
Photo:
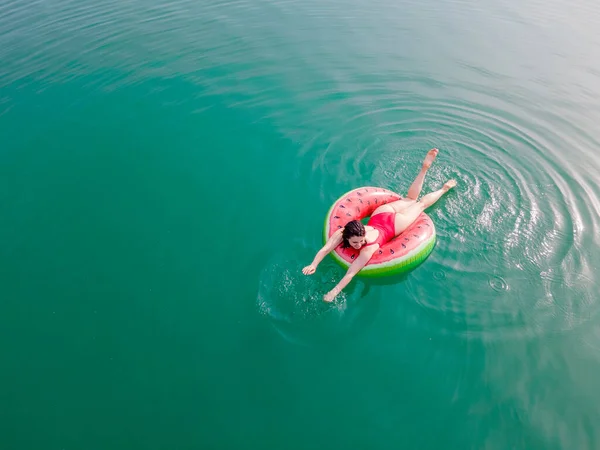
386 222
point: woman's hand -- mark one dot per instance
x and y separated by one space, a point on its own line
309 270
355 267
330 296
333 242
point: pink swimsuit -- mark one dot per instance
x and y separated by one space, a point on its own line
385 224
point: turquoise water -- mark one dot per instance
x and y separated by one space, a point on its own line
165 169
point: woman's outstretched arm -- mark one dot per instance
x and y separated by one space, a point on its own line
355 267
333 242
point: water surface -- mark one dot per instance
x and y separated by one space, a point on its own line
165 169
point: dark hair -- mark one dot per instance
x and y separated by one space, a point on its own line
352 228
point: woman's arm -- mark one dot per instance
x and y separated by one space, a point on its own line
333 242
357 265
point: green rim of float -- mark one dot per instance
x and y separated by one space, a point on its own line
421 234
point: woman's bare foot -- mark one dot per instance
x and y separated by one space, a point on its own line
449 185
431 154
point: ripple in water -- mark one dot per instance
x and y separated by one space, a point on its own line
515 237
498 284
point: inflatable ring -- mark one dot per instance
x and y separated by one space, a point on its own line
401 254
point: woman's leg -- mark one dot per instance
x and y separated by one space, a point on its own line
405 219
417 185
433 197
399 206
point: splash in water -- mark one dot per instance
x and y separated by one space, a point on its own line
294 305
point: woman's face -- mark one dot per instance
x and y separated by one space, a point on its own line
357 242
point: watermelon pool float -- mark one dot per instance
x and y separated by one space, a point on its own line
399 255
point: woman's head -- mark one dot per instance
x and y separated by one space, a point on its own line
354 235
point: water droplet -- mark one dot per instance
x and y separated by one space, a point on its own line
489 246
439 275
498 284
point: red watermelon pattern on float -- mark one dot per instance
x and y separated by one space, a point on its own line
360 203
